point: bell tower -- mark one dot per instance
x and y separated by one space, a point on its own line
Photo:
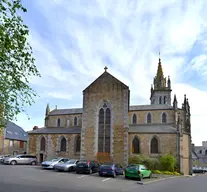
161 88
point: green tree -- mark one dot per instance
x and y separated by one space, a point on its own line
16 62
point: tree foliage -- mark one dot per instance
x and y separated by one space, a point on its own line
16 62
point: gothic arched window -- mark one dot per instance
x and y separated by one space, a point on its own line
164 118
154 145
63 144
58 122
75 121
160 100
104 131
149 118
135 145
134 119
77 144
164 100
42 144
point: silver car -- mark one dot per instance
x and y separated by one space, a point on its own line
2 157
67 166
50 164
21 159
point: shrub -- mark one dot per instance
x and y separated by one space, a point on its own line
150 163
168 163
165 172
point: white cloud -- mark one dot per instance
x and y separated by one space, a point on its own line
129 35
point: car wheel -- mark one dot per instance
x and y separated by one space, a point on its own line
77 172
114 175
70 169
33 163
126 177
90 171
13 163
100 174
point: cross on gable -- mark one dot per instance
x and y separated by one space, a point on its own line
105 68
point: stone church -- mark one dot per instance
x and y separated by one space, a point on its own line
107 123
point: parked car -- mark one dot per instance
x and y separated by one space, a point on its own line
111 169
67 166
2 157
51 163
21 159
137 171
85 166
198 170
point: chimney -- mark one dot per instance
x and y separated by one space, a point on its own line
35 127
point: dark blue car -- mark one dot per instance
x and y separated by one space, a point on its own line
111 169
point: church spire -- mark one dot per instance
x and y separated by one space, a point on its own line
47 110
161 89
159 81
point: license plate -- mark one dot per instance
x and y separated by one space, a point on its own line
104 172
80 166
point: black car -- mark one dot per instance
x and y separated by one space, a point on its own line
85 166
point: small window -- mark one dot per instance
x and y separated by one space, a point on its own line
164 118
58 122
75 121
11 143
164 100
149 118
160 100
63 144
134 119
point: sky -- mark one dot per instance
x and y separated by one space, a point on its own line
73 40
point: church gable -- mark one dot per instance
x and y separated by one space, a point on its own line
105 82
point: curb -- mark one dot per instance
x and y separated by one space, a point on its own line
157 180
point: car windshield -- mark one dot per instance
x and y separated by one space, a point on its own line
54 160
133 166
71 161
106 164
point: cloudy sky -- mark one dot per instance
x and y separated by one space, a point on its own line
74 39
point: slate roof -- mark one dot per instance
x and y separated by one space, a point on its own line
56 130
131 108
105 75
150 107
66 111
15 132
152 128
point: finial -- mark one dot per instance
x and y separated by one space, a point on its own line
159 57
105 68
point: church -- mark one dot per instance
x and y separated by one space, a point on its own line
107 123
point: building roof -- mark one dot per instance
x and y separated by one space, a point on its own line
15 132
152 128
66 111
56 130
150 107
131 108
105 75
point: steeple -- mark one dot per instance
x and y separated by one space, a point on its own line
47 110
159 81
175 102
160 92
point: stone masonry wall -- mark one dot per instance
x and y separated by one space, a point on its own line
108 90
156 116
167 143
52 120
53 146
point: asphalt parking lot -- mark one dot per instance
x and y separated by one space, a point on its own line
28 175
20 178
